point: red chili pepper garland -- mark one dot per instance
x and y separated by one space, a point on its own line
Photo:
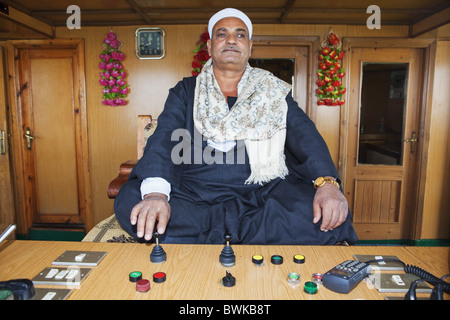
330 89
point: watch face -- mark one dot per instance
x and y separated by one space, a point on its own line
150 43
319 181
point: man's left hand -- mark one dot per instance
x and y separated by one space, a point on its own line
331 205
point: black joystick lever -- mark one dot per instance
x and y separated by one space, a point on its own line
22 289
158 254
227 257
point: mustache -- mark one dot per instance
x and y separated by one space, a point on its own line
232 48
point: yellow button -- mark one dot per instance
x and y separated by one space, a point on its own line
298 258
258 259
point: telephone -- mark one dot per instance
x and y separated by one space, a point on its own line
344 277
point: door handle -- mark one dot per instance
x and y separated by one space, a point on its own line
29 138
413 141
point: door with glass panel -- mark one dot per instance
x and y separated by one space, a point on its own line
288 62
381 161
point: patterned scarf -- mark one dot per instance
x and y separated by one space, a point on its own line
258 117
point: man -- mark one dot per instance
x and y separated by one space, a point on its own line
266 196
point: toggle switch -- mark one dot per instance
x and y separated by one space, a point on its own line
80 257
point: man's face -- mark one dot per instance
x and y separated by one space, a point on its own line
230 46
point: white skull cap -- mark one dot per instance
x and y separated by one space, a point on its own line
227 13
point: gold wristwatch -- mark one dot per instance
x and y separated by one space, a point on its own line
320 181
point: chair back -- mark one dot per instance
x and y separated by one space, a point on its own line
145 127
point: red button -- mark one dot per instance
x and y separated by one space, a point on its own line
317 276
159 277
143 285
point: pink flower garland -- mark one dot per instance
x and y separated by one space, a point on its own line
201 54
112 75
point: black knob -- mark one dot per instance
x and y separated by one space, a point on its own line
228 280
227 237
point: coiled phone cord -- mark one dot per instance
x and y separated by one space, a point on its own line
421 273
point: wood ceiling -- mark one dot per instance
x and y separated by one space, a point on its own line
29 18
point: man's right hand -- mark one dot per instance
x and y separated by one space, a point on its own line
153 207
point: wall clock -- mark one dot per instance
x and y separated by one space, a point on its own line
150 43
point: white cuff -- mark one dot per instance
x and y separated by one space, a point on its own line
159 185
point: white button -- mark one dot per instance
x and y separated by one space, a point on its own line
80 257
61 274
51 273
72 274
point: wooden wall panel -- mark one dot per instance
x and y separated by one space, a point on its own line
436 220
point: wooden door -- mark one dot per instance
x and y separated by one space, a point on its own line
50 134
383 141
7 212
299 56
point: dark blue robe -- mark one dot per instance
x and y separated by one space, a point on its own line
211 199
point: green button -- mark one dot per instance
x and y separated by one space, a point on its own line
276 259
135 276
293 278
310 287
